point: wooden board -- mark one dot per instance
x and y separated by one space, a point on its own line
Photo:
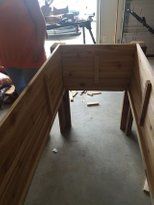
25 130
104 67
141 73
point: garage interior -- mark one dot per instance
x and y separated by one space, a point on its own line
94 162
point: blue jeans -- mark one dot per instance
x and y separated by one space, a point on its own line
21 77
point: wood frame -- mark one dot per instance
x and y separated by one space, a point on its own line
25 129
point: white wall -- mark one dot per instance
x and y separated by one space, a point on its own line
133 30
108 29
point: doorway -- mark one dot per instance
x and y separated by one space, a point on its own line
81 10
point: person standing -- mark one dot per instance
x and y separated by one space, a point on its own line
22 37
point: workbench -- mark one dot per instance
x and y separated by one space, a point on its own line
25 129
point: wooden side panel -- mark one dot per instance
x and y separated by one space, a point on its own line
54 78
105 67
141 73
24 132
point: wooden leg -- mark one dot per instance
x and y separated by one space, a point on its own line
129 122
64 113
126 117
125 110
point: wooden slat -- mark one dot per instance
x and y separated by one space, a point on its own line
145 104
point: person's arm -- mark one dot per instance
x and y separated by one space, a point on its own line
38 19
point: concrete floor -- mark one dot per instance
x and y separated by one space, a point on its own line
96 163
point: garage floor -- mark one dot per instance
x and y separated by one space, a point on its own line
96 163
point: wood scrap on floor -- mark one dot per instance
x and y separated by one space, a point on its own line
91 93
146 187
83 92
72 93
90 104
55 150
71 96
96 92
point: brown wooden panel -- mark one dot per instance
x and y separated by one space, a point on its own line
141 73
25 130
105 84
105 67
64 114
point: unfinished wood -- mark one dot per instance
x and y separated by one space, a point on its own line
146 98
47 90
126 116
90 104
83 92
15 140
71 96
74 93
141 73
126 107
25 130
105 85
129 122
146 186
64 113
96 92
53 71
97 66
96 69
89 93
124 112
